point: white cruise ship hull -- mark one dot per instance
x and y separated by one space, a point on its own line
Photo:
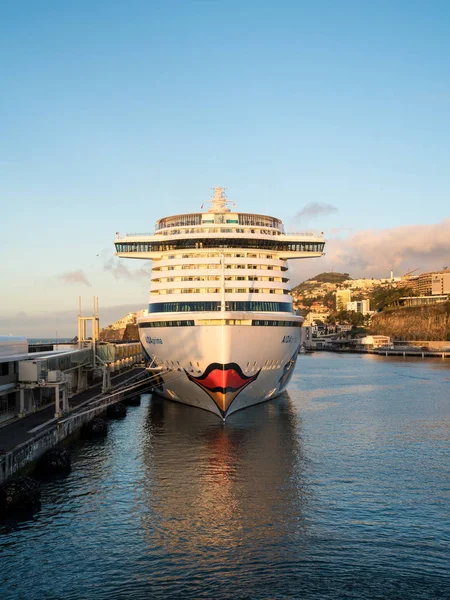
220 368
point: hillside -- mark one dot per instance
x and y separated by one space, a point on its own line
414 323
331 277
322 278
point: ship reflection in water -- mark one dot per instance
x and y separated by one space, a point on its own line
222 496
337 490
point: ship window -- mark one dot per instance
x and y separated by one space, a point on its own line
151 324
274 245
213 306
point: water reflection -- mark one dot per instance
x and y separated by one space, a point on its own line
217 492
339 490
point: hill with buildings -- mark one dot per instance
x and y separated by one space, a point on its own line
331 277
322 278
124 329
407 307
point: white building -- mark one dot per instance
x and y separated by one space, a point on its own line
375 341
359 306
440 283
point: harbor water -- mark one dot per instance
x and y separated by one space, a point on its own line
338 489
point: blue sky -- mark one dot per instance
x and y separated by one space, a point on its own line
114 114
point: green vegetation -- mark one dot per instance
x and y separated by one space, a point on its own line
351 318
383 298
309 284
331 277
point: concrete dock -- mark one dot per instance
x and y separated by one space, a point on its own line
24 440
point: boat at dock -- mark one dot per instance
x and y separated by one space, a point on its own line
220 320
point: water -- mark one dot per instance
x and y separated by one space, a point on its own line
340 489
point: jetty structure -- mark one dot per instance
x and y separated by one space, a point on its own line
220 318
47 394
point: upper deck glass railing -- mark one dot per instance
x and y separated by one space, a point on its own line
214 231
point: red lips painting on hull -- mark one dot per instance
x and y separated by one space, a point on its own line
223 383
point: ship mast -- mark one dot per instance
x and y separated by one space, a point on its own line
219 201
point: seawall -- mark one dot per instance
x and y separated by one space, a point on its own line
28 452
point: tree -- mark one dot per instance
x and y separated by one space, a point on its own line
343 316
388 297
357 319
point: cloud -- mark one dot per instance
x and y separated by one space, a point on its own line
120 271
74 277
374 252
314 209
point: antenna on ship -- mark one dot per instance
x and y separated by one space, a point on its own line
219 201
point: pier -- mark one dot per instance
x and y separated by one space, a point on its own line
25 440
412 352
417 353
48 393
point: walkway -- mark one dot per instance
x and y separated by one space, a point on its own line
17 431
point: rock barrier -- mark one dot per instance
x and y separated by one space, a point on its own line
117 411
133 401
20 494
97 428
55 461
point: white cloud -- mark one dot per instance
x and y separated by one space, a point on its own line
374 252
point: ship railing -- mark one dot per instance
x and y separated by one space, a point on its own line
139 234
304 233
206 233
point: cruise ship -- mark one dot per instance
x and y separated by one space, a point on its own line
221 332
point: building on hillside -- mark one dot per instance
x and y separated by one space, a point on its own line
411 281
116 330
421 300
142 313
369 342
359 306
441 280
440 283
343 328
342 297
368 284
363 284
313 317
424 284
124 321
319 308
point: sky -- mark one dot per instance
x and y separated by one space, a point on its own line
331 115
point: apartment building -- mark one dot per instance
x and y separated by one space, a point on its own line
342 298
